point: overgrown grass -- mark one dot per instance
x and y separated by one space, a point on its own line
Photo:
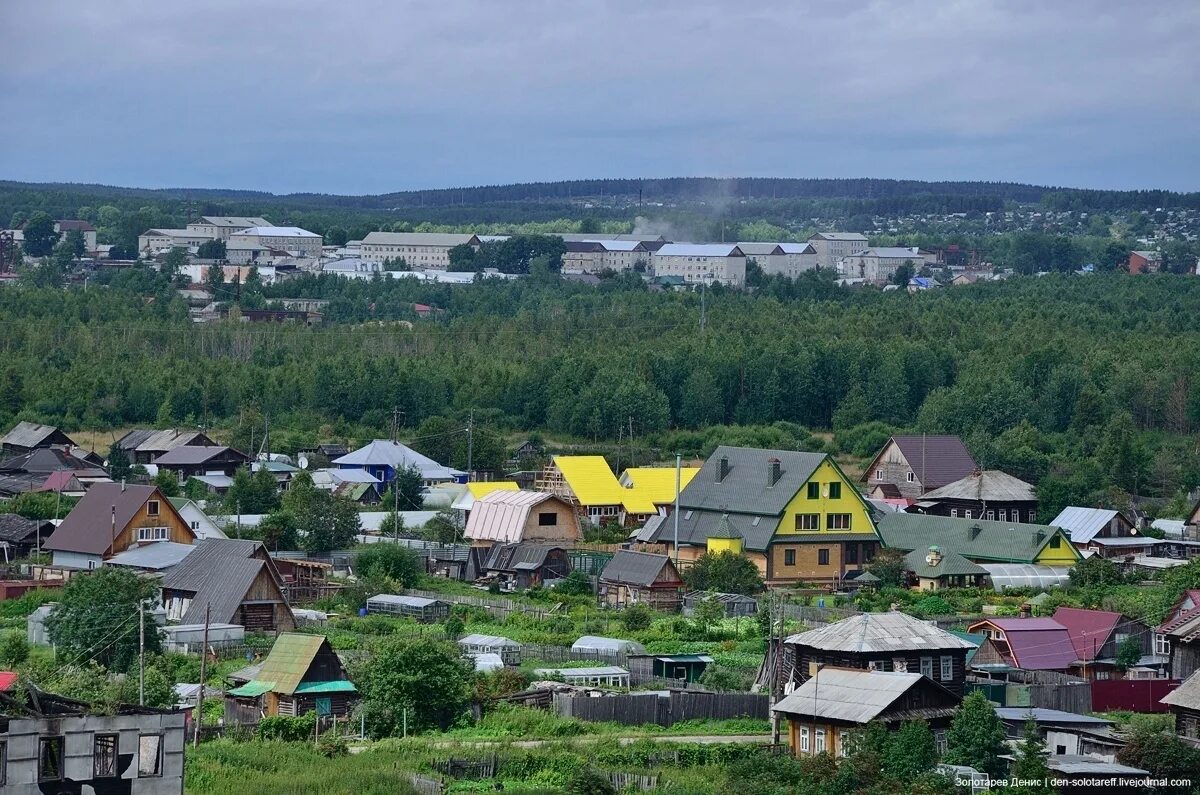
509 722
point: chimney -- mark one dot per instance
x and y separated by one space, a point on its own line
774 472
934 557
1039 536
975 531
722 468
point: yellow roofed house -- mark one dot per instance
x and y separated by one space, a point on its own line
471 492
657 484
587 483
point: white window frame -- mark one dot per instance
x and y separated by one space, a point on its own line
927 667
153 533
947 668
819 742
843 741
1161 644
879 474
953 513
804 739
911 478
1003 514
967 514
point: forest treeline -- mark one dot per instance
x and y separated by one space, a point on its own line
1079 384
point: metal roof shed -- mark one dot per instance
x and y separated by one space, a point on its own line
424 610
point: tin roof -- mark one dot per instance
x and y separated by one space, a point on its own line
635 568
152 557
1083 523
990 485
978 540
858 696
1036 644
187 455
219 572
699 250
289 660
502 515
657 484
384 452
29 434
1089 629
951 564
406 601
879 632
1187 695
101 514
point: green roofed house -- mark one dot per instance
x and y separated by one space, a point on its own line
979 540
301 674
931 569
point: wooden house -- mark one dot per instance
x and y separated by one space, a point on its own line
794 515
1097 637
633 577
822 713
588 485
913 465
302 674
228 581
1097 530
891 641
20 537
1178 636
988 494
190 461
522 566
26 437
111 518
1184 703
143 445
507 516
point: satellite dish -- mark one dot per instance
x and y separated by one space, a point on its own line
302 461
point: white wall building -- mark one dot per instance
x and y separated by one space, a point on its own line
701 263
878 265
831 247
292 239
157 241
417 249
594 256
220 227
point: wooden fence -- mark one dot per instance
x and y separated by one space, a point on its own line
626 781
634 709
501 608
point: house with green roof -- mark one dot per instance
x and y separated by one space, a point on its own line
931 569
979 540
795 515
301 674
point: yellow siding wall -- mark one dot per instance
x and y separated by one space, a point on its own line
717 545
1065 555
849 502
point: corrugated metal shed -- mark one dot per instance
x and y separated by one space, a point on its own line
635 568
879 632
850 695
502 515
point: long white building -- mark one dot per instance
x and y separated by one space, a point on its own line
878 265
596 256
220 227
417 249
292 239
831 247
781 259
155 241
701 263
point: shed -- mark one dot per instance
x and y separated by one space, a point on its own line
301 674
426 611
735 604
689 667
632 577
189 638
507 649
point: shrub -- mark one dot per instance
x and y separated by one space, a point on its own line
637 616
287 728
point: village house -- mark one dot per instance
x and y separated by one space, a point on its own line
196 519
25 437
52 744
1178 636
979 541
63 470
510 517
794 515
522 566
228 581
988 494
657 484
1064 733
188 461
301 674
143 445
823 713
641 577
831 247
21 537
383 458
932 569
1034 644
476 490
701 263
417 249
1184 703
1145 262
591 488
112 518
916 464
1095 528
892 641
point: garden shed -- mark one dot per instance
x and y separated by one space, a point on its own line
735 604
508 650
426 611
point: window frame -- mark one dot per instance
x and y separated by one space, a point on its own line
823 556
814 490
910 478
153 508
543 515
835 490
43 743
819 741
158 759
804 739
803 518
97 739
835 518
946 668
927 667
879 474
789 557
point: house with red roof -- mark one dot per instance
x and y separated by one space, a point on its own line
1081 642
1097 637
1034 644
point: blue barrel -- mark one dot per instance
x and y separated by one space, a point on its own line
821 602
362 611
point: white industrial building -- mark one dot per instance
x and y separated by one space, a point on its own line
831 247
701 263
417 249
295 241
878 265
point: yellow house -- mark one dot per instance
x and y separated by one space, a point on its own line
796 515
587 482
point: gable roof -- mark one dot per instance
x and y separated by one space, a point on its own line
1084 524
290 659
952 564
935 460
990 485
151 440
501 515
1187 606
850 694
15 529
1089 629
635 568
189 455
1036 644
518 557
699 250
745 488
219 572
31 434
152 557
1187 695
44 460
975 539
384 452
697 526
101 514
657 484
241 222
593 483
879 632
275 231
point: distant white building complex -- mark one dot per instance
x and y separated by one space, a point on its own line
831 247
417 249
877 265
701 263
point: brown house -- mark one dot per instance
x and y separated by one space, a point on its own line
188 461
913 465
988 494
521 566
302 674
143 445
28 436
632 577
1145 262
510 517
111 518
228 581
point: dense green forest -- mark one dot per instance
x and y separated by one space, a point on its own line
1079 384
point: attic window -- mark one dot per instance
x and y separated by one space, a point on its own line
1055 541
687 517
152 508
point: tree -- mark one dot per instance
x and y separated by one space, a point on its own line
724 572
574 584
1095 572
708 612
888 566
1162 753
174 263
453 626
442 528
211 249
214 282
1030 766
119 466
903 273
637 616
1129 651
1122 454
587 780
394 561
409 489
167 482
97 618
39 505
40 237
278 530
976 737
14 649
428 679
75 243
462 257
910 751
159 690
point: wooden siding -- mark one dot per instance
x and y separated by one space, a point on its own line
177 527
566 523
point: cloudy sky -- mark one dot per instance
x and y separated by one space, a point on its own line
368 96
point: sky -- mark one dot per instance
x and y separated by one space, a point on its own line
372 96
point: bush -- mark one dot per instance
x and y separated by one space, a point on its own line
636 617
14 649
389 560
575 584
287 728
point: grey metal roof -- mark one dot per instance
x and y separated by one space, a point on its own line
951 564
1048 716
975 539
29 434
188 455
751 249
105 508
599 670
614 645
1071 763
151 440
745 487
851 695
879 632
447 239
510 557
154 557
990 485
1186 695
1083 523
696 526
219 572
383 452
231 221
634 568
15 529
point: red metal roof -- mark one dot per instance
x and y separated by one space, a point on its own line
1089 629
7 680
936 460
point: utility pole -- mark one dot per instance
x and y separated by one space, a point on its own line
203 673
470 441
631 440
141 653
678 468
702 308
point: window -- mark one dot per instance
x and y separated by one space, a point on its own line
927 667
879 474
939 741
1032 515
152 534
195 526
104 756
822 557
789 557
150 755
852 553
808 521
947 667
1055 541
50 759
152 508
967 514
547 519
1161 644
837 521
900 665
1003 515
814 491
819 745
953 513
843 742
804 739
835 491
991 515
911 478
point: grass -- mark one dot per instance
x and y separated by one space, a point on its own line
508 723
